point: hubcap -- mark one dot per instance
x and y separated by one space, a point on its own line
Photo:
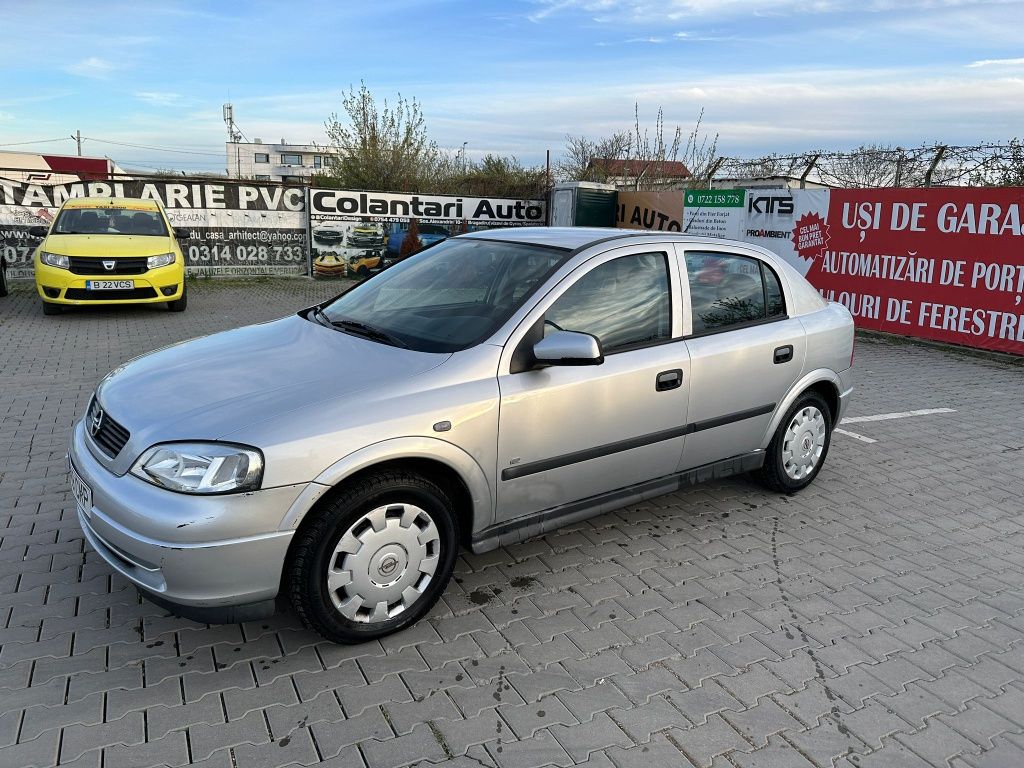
383 563
804 442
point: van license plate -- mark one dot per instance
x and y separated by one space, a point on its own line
109 285
81 491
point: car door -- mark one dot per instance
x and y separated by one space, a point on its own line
568 433
745 351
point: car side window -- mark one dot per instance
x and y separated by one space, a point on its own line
625 303
728 290
773 292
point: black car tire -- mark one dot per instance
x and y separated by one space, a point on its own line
319 536
772 473
179 304
49 308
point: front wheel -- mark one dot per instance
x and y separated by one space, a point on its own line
799 447
179 304
49 308
374 559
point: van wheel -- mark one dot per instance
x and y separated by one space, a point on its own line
799 447
374 559
49 308
179 304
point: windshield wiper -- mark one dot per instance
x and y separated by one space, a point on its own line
368 331
321 317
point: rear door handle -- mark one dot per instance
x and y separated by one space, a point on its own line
783 354
669 380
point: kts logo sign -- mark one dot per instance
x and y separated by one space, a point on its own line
780 204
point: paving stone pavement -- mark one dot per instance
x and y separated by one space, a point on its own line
875 619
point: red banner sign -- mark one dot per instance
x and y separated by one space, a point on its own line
944 264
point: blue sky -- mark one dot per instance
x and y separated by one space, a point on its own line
511 77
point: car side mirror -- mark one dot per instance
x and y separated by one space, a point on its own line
39 232
568 348
182 233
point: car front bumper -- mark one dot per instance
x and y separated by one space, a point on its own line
211 558
60 286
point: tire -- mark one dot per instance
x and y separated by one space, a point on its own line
179 304
49 308
806 431
408 509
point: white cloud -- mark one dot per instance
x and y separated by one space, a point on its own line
659 11
159 98
997 63
90 67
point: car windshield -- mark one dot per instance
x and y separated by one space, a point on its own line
445 298
110 221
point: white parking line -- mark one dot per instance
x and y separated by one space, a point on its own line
902 415
854 435
886 417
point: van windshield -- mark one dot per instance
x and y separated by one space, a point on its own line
109 221
447 297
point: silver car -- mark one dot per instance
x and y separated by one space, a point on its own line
491 388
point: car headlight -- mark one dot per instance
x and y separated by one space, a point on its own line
55 260
160 261
201 468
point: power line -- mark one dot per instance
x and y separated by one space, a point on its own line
158 149
39 141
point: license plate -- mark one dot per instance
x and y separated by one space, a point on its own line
109 285
81 491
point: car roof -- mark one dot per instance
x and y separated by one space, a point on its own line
577 238
134 203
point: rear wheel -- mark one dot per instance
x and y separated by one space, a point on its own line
374 559
179 304
799 447
49 308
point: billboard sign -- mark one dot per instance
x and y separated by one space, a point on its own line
234 228
355 232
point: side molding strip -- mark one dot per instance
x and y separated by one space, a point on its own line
512 531
522 470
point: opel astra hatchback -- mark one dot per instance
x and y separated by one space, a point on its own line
109 251
490 388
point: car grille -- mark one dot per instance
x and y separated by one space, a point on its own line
105 432
94 266
82 294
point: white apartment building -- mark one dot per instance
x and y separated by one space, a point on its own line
274 162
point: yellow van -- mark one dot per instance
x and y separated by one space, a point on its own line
109 250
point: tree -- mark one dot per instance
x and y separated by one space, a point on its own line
576 161
1005 168
411 242
379 147
877 165
637 158
492 176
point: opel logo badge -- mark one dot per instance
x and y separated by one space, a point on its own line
96 421
109 265
388 565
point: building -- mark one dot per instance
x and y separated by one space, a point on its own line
274 162
35 168
767 182
641 174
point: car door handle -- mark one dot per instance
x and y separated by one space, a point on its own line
669 380
783 354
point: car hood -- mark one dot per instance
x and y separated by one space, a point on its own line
109 245
208 387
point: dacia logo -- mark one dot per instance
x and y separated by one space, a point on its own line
781 204
109 265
